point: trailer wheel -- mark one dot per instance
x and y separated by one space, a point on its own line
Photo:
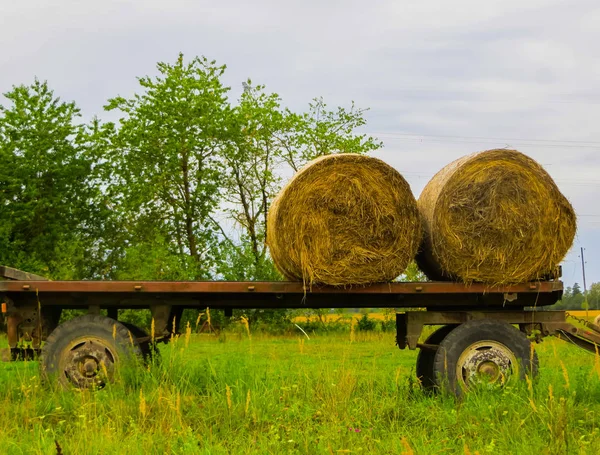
426 357
85 351
483 353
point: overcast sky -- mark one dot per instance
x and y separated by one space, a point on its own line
441 79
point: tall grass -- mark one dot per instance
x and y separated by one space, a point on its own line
331 394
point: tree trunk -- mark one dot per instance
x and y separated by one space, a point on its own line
189 221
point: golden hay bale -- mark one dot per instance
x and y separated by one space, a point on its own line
495 217
344 219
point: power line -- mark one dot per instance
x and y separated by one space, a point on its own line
497 144
394 134
505 142
467 96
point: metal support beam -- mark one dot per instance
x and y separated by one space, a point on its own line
113 313
409 325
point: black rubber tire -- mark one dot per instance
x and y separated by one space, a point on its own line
465 335
112 334
426 357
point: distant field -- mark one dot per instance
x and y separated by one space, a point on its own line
336 394
382 316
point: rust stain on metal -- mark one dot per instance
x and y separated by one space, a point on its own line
276 287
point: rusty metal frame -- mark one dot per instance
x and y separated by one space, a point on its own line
457 302
409 325
32 304
537 324
228 294
273 287
585 339
30 323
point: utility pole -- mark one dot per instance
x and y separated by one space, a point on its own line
585 302
583 269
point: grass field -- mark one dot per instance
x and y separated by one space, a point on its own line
327 395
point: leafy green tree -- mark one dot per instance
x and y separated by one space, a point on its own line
252 157
165 170
412 273
593 296
572 299
576 300
45 188
320 132
267 143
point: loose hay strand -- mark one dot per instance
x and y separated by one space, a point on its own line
344 219
495 217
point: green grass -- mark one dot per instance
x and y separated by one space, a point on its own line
287 395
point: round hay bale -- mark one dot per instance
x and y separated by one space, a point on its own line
344 219
495 217
597 320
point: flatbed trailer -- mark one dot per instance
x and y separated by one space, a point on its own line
486 332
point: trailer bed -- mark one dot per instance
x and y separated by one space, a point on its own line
276 294
488 316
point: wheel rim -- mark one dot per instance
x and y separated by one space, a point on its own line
88 362
487 363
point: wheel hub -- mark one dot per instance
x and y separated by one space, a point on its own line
486 362
89 363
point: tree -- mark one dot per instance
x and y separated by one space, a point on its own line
572 299
269 142
45 188
165 170
593 296
252 157
320 132
412 273
179 188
